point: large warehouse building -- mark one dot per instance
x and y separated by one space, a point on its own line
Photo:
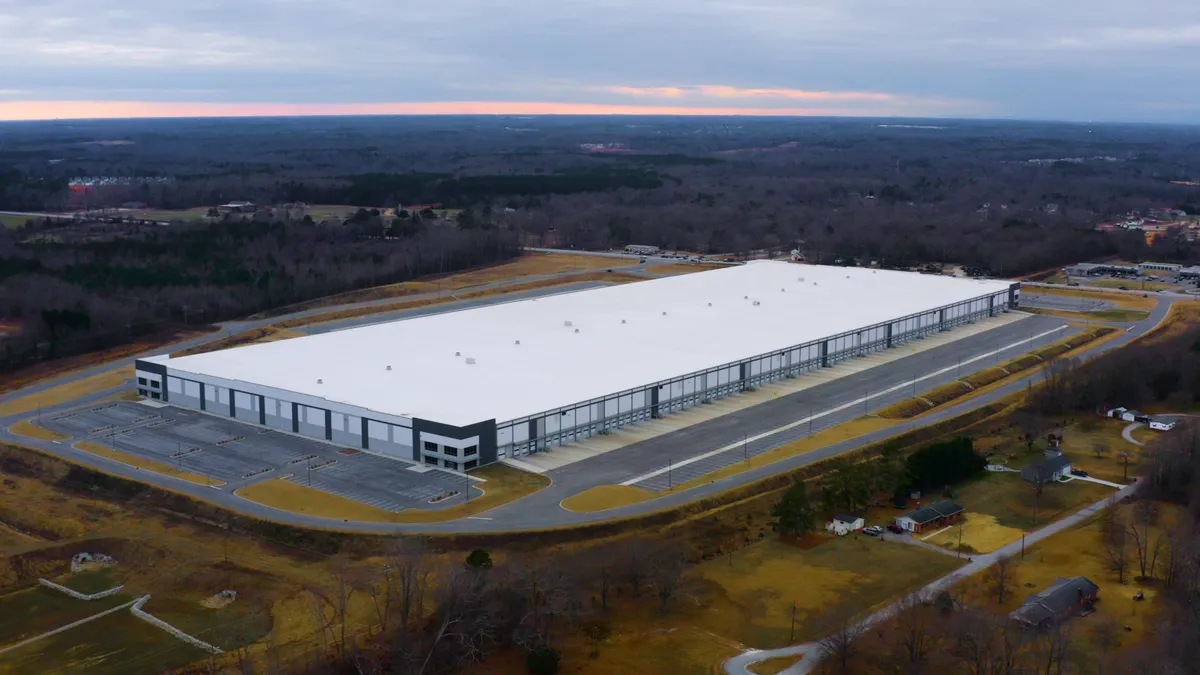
462 389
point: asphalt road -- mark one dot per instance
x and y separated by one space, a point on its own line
1065 303
541 510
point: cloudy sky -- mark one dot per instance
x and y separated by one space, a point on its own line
1123 60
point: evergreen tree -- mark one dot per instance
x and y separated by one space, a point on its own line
794 513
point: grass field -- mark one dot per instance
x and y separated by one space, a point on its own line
13 222
980 533
1008 499
1079 444
774 666
90 581
503 484
31 430
1122 300
118 644
977 382
753 589
241 623
682 268
36 610
67 392
604 497
139 462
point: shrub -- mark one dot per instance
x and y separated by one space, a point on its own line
543 661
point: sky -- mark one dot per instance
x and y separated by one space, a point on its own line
1100 60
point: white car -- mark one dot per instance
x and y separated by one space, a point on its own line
873 531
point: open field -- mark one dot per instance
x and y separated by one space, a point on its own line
31 430
67 392
194 215
775 665
503 484
1122 300
35 610
603 497
255 336
119 644
530 264
1008 499
90 581
977 533
140 462
976 383
1081 440
12 222
753 589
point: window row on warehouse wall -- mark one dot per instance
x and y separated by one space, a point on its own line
587 418
340 427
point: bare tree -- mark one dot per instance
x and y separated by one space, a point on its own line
1106 637
634 564
1101 449
1114 539
1041 476
1124 456
1051 648
915 621
1001 576
1146 544
667 567
842 633
983 644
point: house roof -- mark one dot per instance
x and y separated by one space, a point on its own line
845 518
1163 419
1055 601
934 511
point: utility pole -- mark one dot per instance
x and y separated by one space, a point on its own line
310 472
670 485
792 638
745 452
810 419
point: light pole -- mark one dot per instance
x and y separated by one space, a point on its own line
670 484
310 472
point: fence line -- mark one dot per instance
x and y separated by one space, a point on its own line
76 594
136 608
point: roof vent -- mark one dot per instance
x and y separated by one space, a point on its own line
800 279
470 361
576 330
745 297
783 290
664 313
710 304
847 276
320 381
814 283
458 353
756 303
389 367
622 320
517 342
568 324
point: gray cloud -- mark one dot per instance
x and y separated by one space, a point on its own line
1105 59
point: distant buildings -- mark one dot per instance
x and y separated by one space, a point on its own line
843 524
1048 470
937 514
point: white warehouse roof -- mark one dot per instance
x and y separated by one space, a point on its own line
619 339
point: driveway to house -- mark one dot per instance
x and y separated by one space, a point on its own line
1127 433
739 665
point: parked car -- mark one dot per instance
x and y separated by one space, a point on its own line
896 529
873 531
642 260
1079 472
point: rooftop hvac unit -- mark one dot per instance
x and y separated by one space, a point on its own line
576 330
320 381
567 324
470 361
664 313
710 304
622 320
517 342
458 353
756 303
389 367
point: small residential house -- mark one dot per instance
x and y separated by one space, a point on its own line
843 524
1160 423
937 514
1058 602
1048 470
1116 413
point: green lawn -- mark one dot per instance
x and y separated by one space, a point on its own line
13 221
91 581
1012 502
229 627
119 644
37 610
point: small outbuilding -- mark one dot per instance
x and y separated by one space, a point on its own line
1065 597
843 524
1160 423
1048 470
937 514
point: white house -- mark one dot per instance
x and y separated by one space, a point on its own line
843 524
1160 423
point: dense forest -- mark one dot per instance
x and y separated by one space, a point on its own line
1006 198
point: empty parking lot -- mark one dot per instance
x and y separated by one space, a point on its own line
238 454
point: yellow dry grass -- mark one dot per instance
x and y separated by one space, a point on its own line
250 337
1115 315
530 264
604 497
142 463
67 392
31 430
502 484
354 312
980 534
774 666
682 268
1122 300
842 432
751 591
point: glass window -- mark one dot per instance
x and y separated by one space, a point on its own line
153 384
450 465
142 381
470 450
431 460
155 395
141 392
471 464
431 446
447 450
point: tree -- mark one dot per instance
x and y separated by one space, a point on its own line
667 565
793 513
479 559
1040 477
596 633
914 625
1100 449
1124 457
842 634
543 661
1001 576
1146 544
1114 540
